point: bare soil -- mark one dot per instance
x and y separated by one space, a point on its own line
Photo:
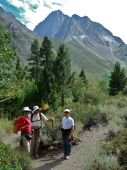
51 160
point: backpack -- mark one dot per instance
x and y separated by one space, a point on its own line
36 120
16 124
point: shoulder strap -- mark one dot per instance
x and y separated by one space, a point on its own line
32 117
40 116
20 117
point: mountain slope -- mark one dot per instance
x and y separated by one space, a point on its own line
22 36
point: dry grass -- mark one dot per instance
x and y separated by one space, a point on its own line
6 126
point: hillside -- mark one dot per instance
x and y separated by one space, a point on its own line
83 58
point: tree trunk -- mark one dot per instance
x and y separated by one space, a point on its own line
62 99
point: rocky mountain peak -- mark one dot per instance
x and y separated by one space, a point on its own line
51 25
92 35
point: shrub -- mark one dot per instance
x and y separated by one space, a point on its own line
105 163
13 160
92 116
101 160
120 142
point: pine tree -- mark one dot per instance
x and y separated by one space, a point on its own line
118 80
46 53
34 60
62 71
83 76
44 86
21 72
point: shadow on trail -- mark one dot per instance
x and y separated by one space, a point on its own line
50 165
48 159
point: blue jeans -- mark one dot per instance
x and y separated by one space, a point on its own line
67 143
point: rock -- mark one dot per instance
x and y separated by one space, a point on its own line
51 148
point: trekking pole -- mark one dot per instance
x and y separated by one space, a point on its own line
52 132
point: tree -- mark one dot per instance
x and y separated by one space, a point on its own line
118 80
62 71
83 76
10 81
44 86
21 72
35 61
77 88
46 53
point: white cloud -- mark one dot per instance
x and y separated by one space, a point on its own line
16 3
42 12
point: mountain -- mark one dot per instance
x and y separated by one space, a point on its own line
91 35
91 46
22 36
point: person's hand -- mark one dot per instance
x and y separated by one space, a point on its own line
32 130
69 137
52 120
29 122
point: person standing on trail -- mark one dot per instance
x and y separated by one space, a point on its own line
67 130
36 119
25 128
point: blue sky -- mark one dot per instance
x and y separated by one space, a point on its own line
110 13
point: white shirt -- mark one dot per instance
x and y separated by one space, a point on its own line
36 119
67 123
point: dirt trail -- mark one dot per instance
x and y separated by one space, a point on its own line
88 144
12 139
50 160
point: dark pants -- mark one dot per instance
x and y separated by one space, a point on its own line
67 143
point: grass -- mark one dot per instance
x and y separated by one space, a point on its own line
6 126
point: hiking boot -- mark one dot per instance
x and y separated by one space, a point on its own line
63 156
32 157
67 157
36 156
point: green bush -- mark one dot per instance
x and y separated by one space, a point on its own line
112 154
120 142
102 160
105 163
13 160
92 116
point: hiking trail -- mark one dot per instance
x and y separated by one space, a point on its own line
51 160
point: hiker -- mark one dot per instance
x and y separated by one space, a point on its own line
37 118
25 128
67 130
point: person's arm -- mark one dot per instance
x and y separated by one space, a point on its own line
72 130
50 120
24 126
44 119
